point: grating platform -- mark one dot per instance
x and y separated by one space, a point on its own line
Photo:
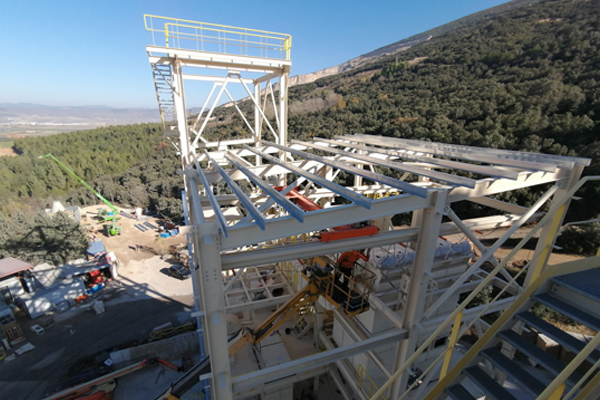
586 283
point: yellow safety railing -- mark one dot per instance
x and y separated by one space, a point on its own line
537 267
362 374
193 35
290 274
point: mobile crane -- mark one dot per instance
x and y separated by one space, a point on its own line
106 216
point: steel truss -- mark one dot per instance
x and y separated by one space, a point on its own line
229 231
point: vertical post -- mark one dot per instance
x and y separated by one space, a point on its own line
551 228
182 126
257 121
208 273
430 221
283 106
451 344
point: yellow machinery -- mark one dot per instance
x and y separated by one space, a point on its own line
321 282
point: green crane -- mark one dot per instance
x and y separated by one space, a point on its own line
114 229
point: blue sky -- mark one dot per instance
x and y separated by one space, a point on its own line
92 52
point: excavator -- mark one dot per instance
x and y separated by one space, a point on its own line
104 215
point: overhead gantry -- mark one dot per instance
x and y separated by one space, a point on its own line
259 223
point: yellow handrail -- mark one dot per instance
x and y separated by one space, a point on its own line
186 30
550 272
551 214
360 371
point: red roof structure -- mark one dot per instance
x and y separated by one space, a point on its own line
10 266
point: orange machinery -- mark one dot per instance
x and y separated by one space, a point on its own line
337 233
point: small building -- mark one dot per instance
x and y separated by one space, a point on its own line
60 297
72 211
13 281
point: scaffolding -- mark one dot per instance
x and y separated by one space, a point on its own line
256 229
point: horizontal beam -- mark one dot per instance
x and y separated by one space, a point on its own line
243 382
272 255
487 187
260 170
429 162
386 180
477 154
334 187
244 199
322 219
208 78
207 59
441 176
287 205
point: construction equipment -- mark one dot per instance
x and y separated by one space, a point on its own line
104 215
347 231
101 388
320 283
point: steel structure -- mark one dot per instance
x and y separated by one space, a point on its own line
253 225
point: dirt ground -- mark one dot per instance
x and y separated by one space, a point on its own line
124 244
7 152
141 298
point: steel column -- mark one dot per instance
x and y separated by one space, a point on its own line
415 303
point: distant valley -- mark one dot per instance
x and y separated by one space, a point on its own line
23 119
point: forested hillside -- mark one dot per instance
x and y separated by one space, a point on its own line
89 153
129 165
528 80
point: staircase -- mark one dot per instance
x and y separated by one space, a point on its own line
576 296
164 95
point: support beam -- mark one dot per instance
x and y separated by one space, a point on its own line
334 187
243 382
394 183
490 252
272 255
207 259
441 176
429 231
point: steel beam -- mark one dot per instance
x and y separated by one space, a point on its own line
528 161
334 187
386 180
207 272
499 205
487 187
248 204
429 231
428 162
240 259
441 176
322 219
206 59
243 382
208 78
290 207
490 252
211 198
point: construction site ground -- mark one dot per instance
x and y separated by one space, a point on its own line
142 298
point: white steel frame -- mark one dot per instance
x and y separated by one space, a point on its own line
226 230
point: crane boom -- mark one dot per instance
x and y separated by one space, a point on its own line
113 229
113 208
